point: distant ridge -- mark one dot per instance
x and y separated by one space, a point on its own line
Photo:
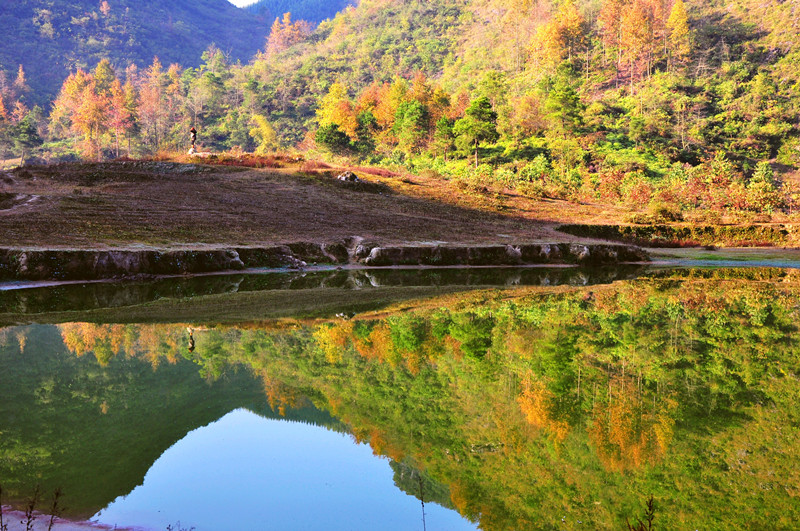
52 38
310 10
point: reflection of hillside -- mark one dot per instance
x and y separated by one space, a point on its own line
543 405
94 430
576 402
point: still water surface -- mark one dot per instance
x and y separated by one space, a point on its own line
255 473
557 403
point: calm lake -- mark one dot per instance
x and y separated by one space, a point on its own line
408 399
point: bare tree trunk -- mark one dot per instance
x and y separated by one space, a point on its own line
587 64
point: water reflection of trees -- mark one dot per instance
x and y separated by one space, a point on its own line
531 407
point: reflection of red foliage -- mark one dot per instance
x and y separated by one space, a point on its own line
279 396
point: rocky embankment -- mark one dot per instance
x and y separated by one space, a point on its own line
18 264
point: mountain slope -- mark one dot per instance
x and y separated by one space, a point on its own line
52 38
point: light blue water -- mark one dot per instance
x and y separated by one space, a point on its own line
246 472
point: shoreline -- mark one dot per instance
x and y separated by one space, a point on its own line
66 265
36 268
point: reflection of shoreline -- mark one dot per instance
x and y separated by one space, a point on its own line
16 522
285 293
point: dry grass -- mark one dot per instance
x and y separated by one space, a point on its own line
163 203
9 163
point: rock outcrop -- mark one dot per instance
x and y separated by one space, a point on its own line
88 265
497 255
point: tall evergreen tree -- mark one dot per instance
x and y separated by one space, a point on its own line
479 124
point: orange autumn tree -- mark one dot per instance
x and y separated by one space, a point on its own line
284 33
81 109
120 118
561 38
151 94
635 31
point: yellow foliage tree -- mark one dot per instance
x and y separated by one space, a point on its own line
337 109
680 43
264 134
386 111
561 37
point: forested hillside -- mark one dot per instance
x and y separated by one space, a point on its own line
50 39
689 107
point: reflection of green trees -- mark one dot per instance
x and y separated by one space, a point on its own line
420 485
543 405
95 429
573 402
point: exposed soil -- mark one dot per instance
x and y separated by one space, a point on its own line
171 205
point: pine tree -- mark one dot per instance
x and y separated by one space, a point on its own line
563 105
25 137
410 125
479 124
443 137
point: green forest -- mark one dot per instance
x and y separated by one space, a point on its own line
547 408
685 108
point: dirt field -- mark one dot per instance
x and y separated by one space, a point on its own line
172 205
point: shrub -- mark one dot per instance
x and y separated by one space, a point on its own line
537 170
533 189
313 165
506 177
636 190
664 212
762 197
709 217
639 218
609 186
762 193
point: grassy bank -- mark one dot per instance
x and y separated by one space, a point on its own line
683 235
